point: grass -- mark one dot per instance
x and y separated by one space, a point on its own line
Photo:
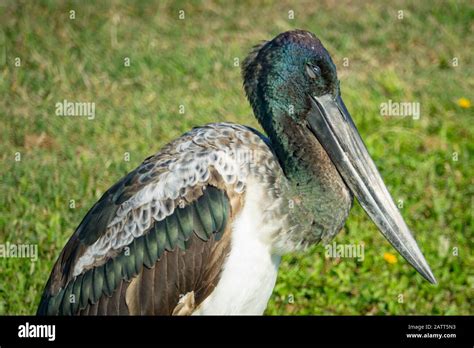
427 163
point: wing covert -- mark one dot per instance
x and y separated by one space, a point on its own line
164 247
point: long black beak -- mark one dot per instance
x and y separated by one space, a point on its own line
331 123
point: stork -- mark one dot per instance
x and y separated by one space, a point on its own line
200 227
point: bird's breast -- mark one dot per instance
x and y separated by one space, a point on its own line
250 271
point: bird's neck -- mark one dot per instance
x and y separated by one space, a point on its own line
318 199
295 152
305 163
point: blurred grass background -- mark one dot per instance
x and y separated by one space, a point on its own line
190 62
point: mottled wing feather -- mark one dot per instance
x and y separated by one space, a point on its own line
154 267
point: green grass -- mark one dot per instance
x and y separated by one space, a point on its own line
190 62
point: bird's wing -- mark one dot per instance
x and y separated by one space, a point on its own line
161 232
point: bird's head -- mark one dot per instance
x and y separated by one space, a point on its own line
292 80
281 75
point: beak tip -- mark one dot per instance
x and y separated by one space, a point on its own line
426 272
431 278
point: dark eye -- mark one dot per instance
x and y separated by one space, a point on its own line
313 71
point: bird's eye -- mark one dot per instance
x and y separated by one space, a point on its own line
313 71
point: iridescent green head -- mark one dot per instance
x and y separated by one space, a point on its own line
280 75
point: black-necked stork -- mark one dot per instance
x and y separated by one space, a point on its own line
199 228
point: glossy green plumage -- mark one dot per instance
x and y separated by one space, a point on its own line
139 253
171 231
86 288
185 220
98 282
110 283
77 294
